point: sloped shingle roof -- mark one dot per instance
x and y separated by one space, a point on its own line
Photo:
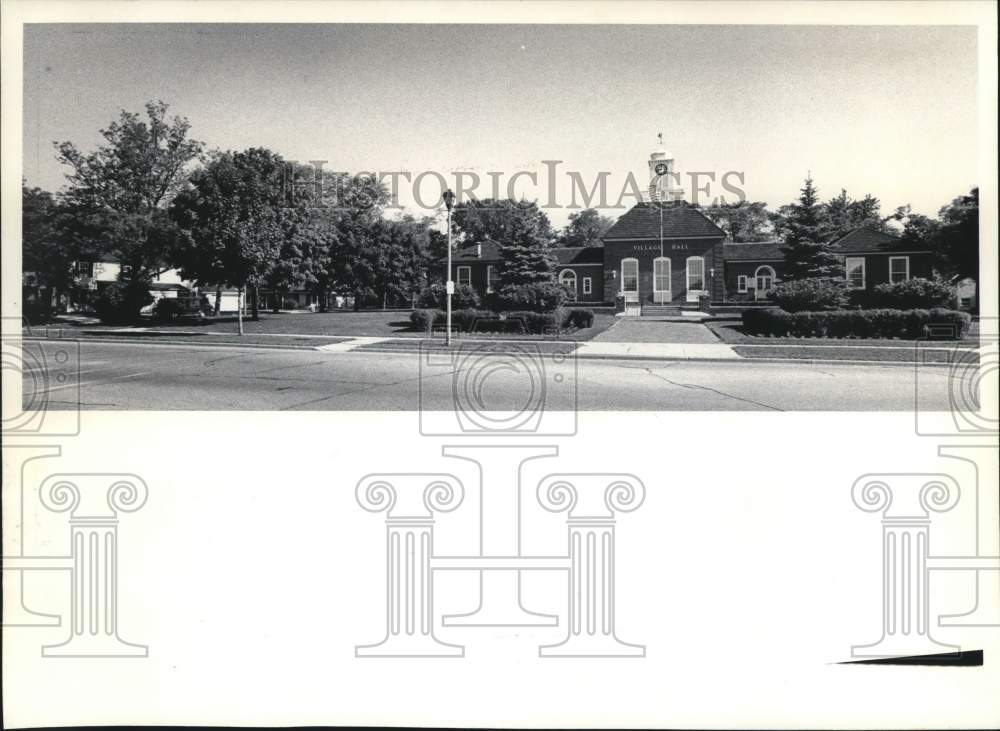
867 240
756 251
578 254
490 252
680 221
564 254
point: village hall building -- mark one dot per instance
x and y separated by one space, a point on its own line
664 254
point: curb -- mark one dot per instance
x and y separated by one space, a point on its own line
404 351
677 359
174 343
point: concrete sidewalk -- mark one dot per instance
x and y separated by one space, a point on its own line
658 351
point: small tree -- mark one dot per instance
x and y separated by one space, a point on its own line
524 257
807 255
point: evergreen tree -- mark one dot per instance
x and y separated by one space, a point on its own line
807 249
524 256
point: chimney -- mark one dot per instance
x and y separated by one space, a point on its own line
479 251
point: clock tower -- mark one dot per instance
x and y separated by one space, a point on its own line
664 182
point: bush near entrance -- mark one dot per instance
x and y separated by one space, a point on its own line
514 322
435 297
536 296
914 293
877 323
810 295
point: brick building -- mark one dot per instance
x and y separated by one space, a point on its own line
665 253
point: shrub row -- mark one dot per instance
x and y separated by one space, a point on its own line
537 297
515 322
880 323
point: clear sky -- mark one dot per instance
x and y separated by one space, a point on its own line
884 110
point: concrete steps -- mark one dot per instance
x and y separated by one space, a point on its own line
661 310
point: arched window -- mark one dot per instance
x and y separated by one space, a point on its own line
567 278
765 278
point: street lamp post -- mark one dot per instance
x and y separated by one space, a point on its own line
449 201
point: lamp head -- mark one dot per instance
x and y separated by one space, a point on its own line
449 198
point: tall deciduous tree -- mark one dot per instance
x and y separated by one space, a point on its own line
48 248
957 239
585 228
383 261
742 221
120 190
232 218
500 219
842 214
807 251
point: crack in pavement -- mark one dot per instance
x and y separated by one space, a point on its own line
698 387
367 388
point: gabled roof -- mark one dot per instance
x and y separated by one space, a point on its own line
564 254
469 252
680 221
578 254
166 287
868 241
754 251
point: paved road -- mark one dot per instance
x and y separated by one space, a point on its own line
144 376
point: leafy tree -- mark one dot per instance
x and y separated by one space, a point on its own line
382 260
500 219
919 231
232 219
957 239
807 254
119 191
742 221
585 228
48 249
524 256
842 214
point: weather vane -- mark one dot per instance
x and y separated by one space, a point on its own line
660 135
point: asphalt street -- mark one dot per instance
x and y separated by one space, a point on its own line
165 377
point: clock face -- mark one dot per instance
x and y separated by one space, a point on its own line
661 169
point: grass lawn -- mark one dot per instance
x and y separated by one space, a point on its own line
332 326
731 332
837 352
546 347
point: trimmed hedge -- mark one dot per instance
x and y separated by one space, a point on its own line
914 293
809 295
540 323
537 297
579 317
435 297
879 323
514 323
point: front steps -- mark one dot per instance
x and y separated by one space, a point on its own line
669 310
659 311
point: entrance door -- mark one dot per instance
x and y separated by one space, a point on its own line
630 279
661 280
695 278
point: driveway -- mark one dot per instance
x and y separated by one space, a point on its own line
638 330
